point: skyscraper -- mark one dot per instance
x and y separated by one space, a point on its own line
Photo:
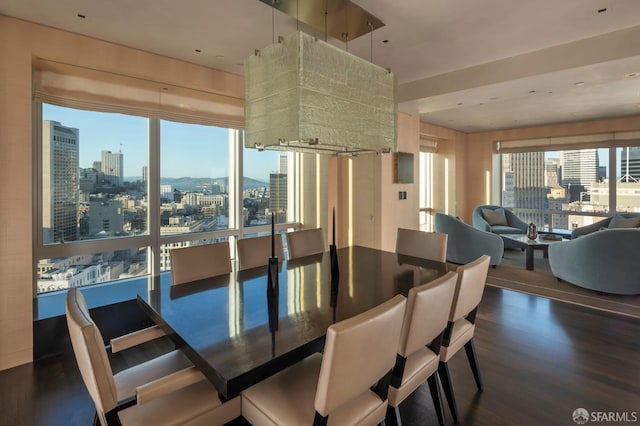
113 167
579 167
528 179
278 192
284 163
60 181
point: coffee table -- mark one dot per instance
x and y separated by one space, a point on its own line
523 242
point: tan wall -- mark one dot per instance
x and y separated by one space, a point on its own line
20 42
396 213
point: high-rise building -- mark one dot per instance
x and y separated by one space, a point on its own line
580 167
278 192
284 164
145 174
60 181
630 164
166 192
551 175
528 184
112 164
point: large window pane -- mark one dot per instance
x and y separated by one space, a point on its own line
93 175
560 189
266 186
91 268
426 191
194 178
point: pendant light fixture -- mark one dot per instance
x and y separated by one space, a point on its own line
307 95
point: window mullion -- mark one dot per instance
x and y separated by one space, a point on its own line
153 194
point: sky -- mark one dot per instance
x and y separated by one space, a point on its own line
129 134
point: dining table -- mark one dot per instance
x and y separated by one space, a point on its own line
240 328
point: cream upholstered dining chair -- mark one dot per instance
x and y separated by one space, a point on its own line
255 252
305 243
359 353
167 389
199 262
425 245
425 320
461 325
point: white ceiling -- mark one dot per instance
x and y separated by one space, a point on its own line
468 65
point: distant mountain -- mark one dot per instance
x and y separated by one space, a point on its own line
195 184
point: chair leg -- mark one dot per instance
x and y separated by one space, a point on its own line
445 378
470 349
393 416
434 388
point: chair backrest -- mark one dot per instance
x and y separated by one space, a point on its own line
91 355
471 280
428 307
358 352
199 262
425 245
305 242
255 252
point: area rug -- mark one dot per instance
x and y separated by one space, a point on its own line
511 274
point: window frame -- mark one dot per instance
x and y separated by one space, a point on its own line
153 241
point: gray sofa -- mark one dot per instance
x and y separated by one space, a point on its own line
466 243
605 261
513 225
618 220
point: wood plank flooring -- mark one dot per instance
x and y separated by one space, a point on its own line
540 359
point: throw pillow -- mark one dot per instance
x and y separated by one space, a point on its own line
495 217
623 222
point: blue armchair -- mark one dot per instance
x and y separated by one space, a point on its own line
510 224
604 261
466 243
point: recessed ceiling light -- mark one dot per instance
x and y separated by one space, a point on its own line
81 16
198 50
385 41
579 83
632 74
532 91
460 103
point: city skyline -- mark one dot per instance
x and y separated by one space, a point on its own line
129 135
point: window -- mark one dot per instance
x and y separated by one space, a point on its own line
426 191
194 178
267 184
116 192
570 188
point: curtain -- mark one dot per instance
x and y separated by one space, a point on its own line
95 90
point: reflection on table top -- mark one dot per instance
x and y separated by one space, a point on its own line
223 323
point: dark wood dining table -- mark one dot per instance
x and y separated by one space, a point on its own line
238 331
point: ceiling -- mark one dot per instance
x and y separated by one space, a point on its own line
467 65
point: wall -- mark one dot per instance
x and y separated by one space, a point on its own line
20 42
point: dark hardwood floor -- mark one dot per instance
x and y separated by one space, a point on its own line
540 360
